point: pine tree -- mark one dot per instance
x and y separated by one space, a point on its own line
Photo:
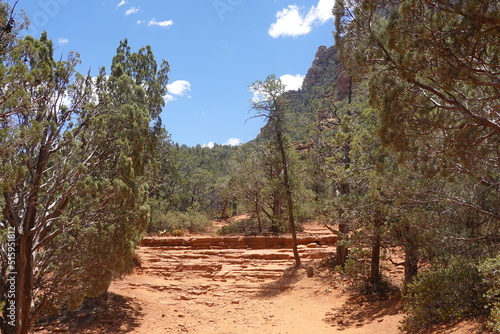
272 106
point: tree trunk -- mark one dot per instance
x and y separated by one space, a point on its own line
224 214
277 211
349 96
342 251
257 213
288 191
24 287
344 188
375 277
25 258
411 263
411 256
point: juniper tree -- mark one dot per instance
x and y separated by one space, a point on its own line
75 183
432 68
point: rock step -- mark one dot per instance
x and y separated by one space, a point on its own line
237 242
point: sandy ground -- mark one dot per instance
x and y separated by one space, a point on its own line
249 291
293 304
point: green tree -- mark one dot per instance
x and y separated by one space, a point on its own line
75 189
433 71
348 150
247 183
272 106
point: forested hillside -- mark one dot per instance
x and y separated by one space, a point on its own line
393 142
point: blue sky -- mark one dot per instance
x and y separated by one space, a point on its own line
216 49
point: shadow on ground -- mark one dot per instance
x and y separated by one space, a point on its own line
472 326
356 313
290 276
110 313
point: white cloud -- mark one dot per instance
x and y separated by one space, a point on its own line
132 10
140 21
169 98
209 145
123 2
323 11
233 142
230 142
292 82
63 41
167 23
177 88
292 22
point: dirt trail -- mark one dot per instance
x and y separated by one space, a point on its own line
233 291
238 291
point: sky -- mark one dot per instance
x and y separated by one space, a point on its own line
216 49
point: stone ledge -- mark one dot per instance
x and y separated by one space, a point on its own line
237 242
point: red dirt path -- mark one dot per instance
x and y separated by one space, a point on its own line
236 291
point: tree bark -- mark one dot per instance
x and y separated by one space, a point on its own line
24 285
342 251
289 198
224 214
375 277
411 263
257 213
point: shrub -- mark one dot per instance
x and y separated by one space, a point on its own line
251 227
450 290
357 270
242 227
490 269
178 223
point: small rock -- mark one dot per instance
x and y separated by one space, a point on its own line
235 301
81 315
108 321
380 320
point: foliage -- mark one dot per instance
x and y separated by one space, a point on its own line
75 174
451 289
357 270
432 70
490 270
246 227
272 105
193 221
192 177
